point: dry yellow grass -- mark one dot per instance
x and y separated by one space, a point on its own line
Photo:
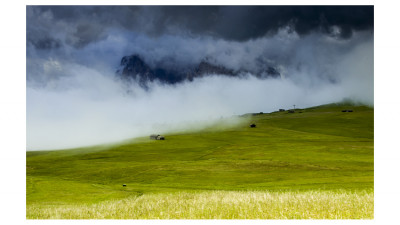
221 205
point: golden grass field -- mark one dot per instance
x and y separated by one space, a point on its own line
221 205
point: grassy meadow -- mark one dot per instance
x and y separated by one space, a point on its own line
316 163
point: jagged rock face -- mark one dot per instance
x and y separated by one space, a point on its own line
205 68
134 65
135 68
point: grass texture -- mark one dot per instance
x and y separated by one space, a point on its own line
221 205
318 151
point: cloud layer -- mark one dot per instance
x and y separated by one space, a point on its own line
86 24
74 98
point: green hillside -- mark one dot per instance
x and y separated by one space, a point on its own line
319 148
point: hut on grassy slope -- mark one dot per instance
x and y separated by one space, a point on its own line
157 137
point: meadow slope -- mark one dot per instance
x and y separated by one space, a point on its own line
319 149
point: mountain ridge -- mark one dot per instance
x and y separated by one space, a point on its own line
134 67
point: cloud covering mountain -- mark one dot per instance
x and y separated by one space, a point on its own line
74 97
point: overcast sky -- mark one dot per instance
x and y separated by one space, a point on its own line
81 25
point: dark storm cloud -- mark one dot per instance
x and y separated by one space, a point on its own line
85 24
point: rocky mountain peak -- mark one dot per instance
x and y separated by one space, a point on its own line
134 67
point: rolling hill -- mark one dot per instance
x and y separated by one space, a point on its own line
318 148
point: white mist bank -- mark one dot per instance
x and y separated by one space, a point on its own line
82 117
